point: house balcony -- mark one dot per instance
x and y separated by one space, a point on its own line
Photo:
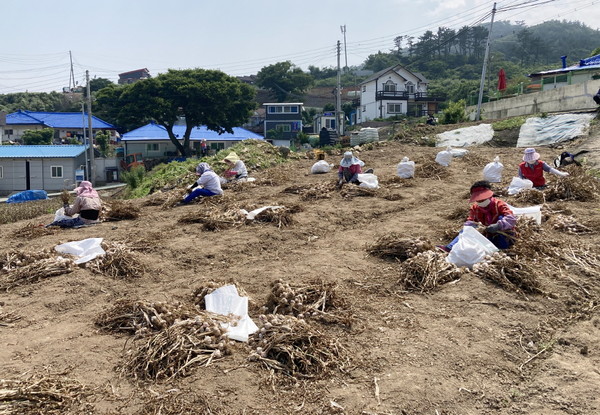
405 96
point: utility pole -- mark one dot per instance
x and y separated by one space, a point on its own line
338 96
485 59
90 130
343 28
72 76
85 142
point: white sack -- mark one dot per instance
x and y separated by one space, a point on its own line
492 172
368 180
86 249
406 168
252 214
225 301
517 184
321 166
459 152
444 157
471 248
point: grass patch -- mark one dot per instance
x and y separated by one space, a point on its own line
256 154
515 122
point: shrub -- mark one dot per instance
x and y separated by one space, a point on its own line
134 177
455 112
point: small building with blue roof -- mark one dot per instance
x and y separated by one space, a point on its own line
43 167
152 140
66 125
583 71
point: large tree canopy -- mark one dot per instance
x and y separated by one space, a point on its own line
203 97
284 80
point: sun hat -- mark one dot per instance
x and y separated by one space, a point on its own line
349 160
232 157
530 154
480 191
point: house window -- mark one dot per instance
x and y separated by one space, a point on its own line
273 110
289 109
410 88
1 172
56 172
286 128
364 88
8 132
217 146
394 108
152 147
389 86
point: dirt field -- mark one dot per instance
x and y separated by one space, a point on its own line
466 347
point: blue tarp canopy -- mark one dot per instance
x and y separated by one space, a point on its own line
27 196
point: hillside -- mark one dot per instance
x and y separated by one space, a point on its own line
463 345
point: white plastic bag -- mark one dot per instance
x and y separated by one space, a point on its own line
471 248
444 157
226 301
320 166
517 184
459 152
368 180
406 168
60 215
534 212
86 249
492 172
252 214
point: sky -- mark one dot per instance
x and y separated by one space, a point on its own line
239 37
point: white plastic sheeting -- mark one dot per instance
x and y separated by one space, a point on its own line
226 301
86 249
539 131
252 214
533 212
368 180
468 136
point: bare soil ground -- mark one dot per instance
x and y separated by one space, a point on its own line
466 347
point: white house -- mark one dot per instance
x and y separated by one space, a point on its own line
395 91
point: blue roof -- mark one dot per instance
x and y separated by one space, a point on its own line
587 63
55 119
158 132
58 151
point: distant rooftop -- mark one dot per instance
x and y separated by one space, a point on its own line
56 120
44 151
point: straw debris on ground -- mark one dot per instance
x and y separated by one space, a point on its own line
509 273
293 347
568 224
214 219
579 185
315 300
141 317
176 350
19 268
430 169
394 246
119 261
33 231
428 270
39 396
118 210
178 402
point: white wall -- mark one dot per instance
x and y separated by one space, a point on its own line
576 97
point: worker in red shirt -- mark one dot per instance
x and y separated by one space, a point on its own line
494 214
532 168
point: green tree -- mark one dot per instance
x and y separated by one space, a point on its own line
38 137
97 84
103 140
284 80
201 97
455 112
380 61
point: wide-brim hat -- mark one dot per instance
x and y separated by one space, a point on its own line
530 155
480 193
232 158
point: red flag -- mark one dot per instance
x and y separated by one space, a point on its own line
501 80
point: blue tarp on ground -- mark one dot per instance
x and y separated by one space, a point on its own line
27 196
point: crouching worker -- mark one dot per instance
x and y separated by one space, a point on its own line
350 168
494 214
236 169
532 168
208 184
87 204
